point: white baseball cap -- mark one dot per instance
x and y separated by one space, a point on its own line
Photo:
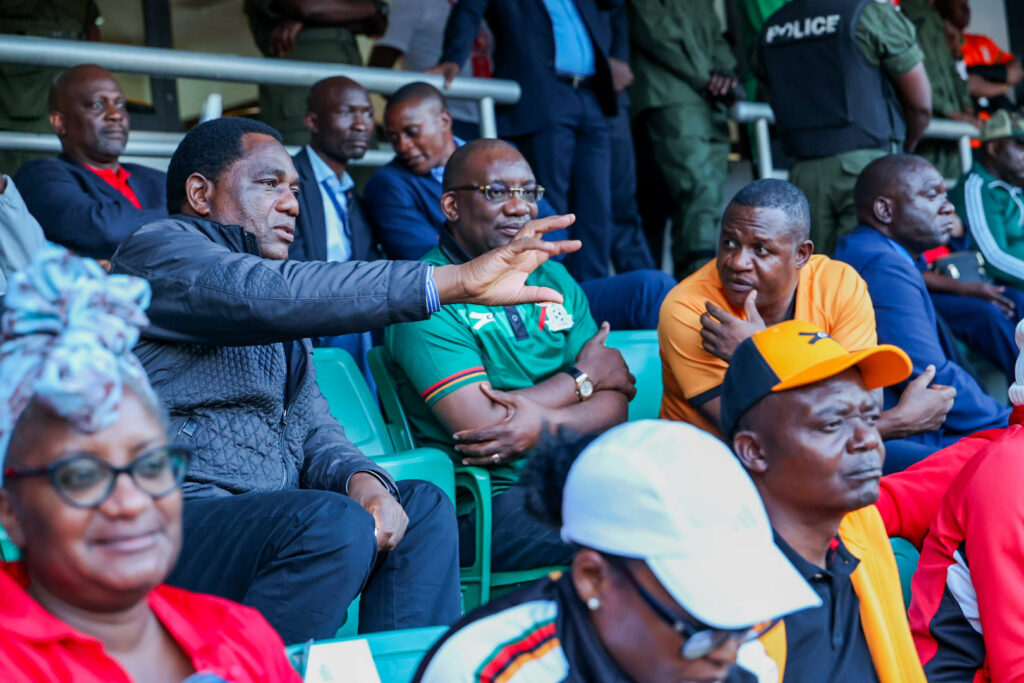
676 497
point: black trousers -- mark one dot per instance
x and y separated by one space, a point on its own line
301 556
518 541
572 158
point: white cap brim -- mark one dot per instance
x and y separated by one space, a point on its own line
738 588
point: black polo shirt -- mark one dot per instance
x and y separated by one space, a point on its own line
827 643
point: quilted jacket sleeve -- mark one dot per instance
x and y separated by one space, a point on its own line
208 293
330 458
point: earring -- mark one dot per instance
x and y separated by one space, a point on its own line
593 604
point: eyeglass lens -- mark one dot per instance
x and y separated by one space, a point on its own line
700 639
87 481
502 193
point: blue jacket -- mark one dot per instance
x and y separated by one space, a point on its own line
905 317
524 51
405 211
81 211
311 227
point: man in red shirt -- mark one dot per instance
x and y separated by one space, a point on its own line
966 614
85 199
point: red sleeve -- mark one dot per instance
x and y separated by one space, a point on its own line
994 528
909 500
265 651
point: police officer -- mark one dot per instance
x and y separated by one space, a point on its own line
847 84
302 30
950 96
684 81
24 88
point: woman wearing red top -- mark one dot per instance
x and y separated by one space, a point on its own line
92 496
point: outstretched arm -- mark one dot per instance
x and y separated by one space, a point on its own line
498 277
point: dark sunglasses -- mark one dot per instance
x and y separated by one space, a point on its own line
85 481
701 639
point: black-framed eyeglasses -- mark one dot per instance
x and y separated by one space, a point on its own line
701 639
498 192
85 481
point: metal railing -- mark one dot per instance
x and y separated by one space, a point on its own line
487 92
143 145
761 116
162 62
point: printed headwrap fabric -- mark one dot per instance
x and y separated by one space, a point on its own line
66 339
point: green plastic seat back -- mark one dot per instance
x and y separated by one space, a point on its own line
639 348
350 401
396 654
394 413
10 552
906 561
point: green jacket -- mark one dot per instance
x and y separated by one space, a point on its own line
675 45
949 89
25 88
993 211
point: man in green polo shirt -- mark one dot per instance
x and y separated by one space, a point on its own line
487 383
990 198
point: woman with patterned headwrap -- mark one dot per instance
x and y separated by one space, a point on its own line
91 493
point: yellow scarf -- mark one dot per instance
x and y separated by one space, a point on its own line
877 584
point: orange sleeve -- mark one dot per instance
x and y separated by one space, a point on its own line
695 370
851 313
981 50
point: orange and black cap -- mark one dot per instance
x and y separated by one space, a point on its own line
794 354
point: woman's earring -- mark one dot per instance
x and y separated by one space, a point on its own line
593 604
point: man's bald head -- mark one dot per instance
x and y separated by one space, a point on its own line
416 93
326 93
71 79
883 177
339 118
89 114
464 164
483 220
419 127
904 198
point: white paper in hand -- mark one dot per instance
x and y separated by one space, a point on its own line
347 661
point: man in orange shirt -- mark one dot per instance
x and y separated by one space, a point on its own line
765 272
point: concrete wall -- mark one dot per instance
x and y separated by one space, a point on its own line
200 25
988 17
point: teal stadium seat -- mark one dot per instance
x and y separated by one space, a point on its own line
8 551
478 579
353 405
906 561
396 654
639 348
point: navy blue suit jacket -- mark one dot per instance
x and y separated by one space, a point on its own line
81 211
405 210
905 317
311 227
524 51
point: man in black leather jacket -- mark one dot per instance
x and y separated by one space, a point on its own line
283 512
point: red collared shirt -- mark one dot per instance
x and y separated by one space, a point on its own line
119 181
217 635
